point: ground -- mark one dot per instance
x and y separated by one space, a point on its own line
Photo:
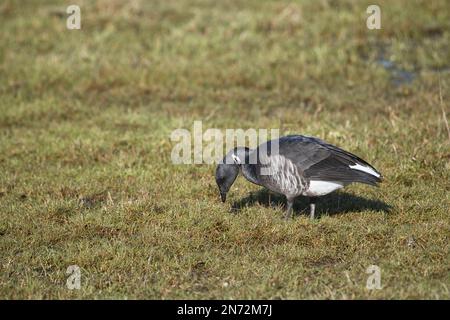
86 176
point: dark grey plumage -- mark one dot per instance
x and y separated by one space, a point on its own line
301 166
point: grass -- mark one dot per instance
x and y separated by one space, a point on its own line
85 171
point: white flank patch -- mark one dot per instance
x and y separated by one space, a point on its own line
365 169
321 188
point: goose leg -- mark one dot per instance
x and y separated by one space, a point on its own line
289 208
312 207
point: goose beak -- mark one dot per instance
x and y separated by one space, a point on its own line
223 196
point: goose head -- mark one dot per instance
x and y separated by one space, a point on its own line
228 169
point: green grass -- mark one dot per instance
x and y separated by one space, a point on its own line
85 171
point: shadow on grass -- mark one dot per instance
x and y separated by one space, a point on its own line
331 204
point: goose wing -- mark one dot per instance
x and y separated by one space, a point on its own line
322 161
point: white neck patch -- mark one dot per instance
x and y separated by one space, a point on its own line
236 159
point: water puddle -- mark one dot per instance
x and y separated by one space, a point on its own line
398 76
401 76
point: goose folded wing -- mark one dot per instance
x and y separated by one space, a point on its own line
324 162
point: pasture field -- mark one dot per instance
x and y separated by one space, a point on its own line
86 176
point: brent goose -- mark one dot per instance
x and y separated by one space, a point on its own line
302 165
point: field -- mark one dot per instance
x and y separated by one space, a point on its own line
86 176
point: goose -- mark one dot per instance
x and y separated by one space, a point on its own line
293 166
